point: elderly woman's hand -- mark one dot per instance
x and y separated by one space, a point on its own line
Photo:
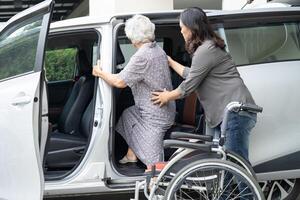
97 69
161 98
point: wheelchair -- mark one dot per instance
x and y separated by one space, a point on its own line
201 168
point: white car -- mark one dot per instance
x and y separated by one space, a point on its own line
57 121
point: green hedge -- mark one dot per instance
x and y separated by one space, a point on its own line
60 64
18 56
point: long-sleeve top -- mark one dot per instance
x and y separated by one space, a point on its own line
216 81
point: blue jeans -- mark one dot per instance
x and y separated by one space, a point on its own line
237 133
238 129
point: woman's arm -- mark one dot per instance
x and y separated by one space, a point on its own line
162 98
201 65
178 68
111 79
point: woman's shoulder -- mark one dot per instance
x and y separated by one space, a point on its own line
142 52
204 49
208 47
150 51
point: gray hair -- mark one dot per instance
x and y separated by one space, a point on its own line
139 29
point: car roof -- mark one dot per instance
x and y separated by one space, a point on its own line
94 20
172 14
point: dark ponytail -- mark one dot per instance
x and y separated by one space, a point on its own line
196 20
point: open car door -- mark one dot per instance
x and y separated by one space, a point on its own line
22 44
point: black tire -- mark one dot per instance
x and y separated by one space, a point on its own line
231 156
163 183
239 160
202 179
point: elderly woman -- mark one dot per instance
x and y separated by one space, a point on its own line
144 124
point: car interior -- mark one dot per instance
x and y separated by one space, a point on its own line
70 90
189 114
242 43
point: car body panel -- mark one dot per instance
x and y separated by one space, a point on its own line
22 172
274 86
19 148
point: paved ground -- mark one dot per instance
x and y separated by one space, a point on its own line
106 197
99 197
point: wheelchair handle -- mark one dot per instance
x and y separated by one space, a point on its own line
236 107
251 108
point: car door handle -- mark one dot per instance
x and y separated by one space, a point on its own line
18 101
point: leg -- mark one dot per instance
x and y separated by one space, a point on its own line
131 155
237 139
238 131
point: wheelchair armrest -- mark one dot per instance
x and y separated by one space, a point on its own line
184 135
186 144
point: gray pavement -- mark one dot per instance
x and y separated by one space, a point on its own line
126 196
118 196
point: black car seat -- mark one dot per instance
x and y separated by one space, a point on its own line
68 133
79 98
81 94
65 150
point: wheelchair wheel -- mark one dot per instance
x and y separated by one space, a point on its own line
230 156
160 190
213 179
239 160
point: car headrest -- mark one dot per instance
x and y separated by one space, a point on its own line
119 54
168 46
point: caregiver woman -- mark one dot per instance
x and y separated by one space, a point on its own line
214 78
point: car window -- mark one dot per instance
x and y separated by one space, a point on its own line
60 64
269 42
18 45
